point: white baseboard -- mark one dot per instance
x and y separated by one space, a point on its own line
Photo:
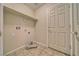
15 50
41 44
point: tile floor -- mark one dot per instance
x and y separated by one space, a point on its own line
39 51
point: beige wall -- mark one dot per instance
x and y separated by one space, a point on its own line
16 38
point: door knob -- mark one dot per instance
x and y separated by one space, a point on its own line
76 33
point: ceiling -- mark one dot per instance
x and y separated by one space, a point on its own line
34 6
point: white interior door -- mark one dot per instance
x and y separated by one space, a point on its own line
59 28
1 48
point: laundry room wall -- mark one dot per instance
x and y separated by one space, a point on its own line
15 31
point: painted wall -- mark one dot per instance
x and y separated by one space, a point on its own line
42 24
15 38
19 7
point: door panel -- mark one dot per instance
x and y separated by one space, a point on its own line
51 35
61 20
52 22
59 30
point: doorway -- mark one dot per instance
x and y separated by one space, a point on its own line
59 29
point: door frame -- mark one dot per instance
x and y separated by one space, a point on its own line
1 17
71 31
74 18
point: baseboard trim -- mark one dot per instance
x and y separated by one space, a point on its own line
14 50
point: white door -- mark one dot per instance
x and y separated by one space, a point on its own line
59 28
1 48
76 28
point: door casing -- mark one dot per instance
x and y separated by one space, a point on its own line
1 29
76 28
